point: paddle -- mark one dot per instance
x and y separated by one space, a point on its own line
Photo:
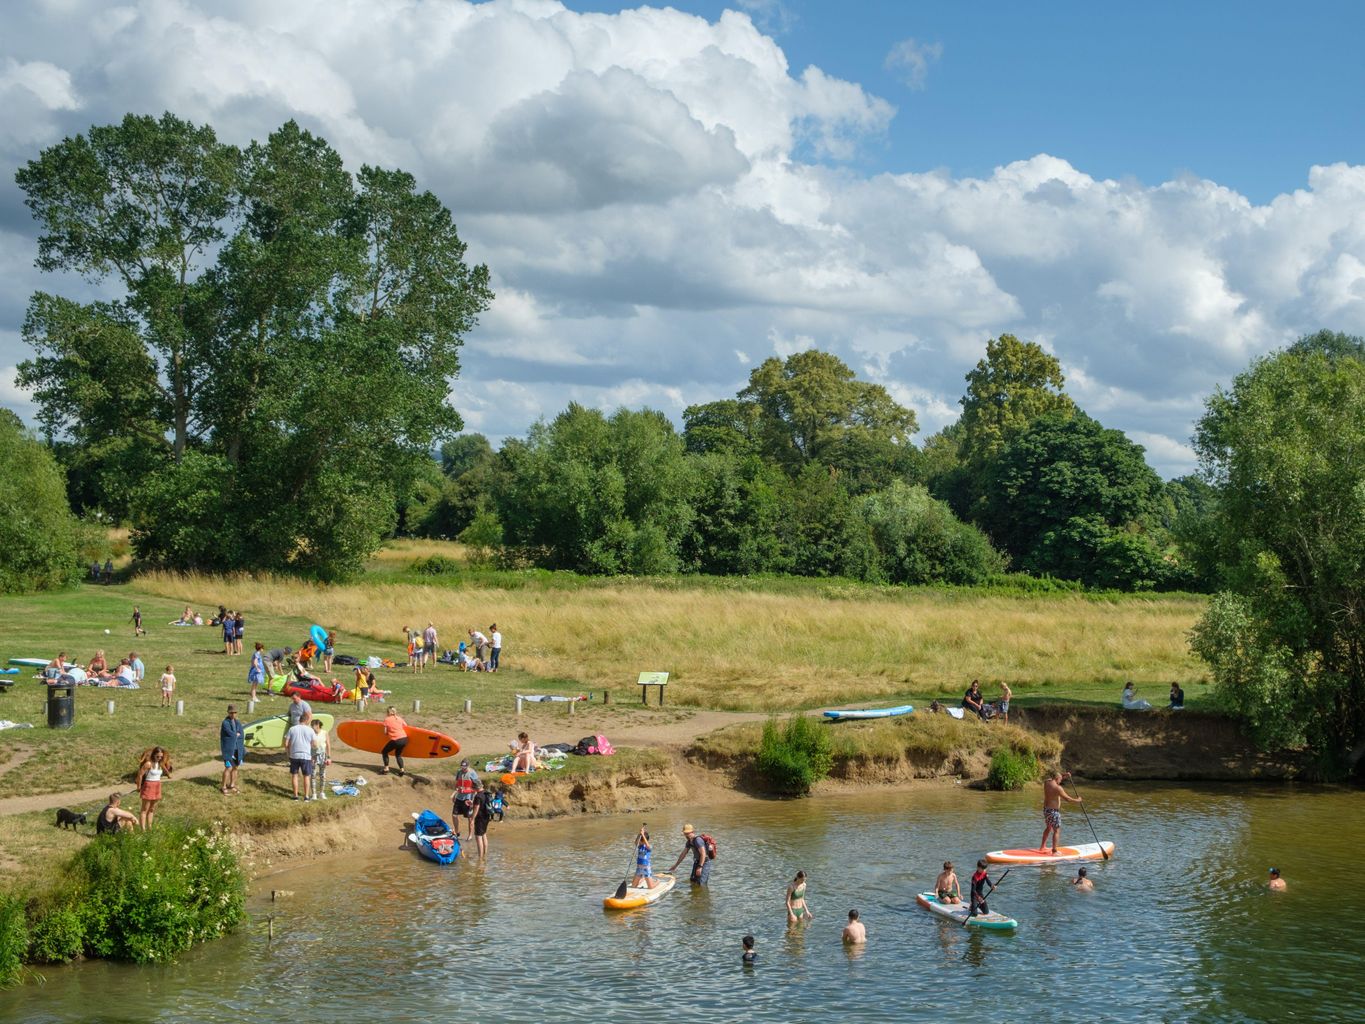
1093 834
971 910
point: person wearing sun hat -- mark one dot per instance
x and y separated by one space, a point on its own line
1276 882
701 863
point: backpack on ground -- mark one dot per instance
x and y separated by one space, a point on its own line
710 845
598 744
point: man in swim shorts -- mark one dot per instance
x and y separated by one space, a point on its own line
1053 795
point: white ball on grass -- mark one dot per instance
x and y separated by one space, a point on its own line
106 632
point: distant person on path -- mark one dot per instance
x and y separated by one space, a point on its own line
1081 882
701 863
971 700
980 879
255 674
1276 883
429 644
480 814
797 910
153 766
495 651
299 710
167 685
946 885
238 631
1053 795
1005 694
137 626
322 757
855 933
277 656
397 732
644 873
112 817
298 741
466 785
232 747
1177 698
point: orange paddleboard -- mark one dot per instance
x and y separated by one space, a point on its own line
369 735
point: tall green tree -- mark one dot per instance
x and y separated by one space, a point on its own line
38 534
1285 449
919 540
1015 384
1068 498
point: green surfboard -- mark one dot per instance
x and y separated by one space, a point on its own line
268 733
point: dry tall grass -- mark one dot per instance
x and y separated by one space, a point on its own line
753 650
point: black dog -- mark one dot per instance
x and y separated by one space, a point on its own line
69 819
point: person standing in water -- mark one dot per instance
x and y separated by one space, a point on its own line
797 910
701 863
480 814
1053 795
855 933
750 955
1081 882
1276 882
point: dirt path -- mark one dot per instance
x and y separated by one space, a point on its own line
479 738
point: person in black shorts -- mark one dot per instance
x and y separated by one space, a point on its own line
481 813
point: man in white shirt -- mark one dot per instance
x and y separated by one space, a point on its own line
497 648
299 742
480 644
429 644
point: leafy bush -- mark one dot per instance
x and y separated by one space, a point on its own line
148 896
436 565
796 756
1012 768
56 934
13 940
38 534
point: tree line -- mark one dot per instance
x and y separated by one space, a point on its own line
266 380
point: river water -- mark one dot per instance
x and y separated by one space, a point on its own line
1179 928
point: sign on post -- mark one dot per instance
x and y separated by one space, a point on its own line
648 679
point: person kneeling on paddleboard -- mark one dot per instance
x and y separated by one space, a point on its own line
979 893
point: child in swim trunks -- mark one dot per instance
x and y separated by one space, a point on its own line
946 886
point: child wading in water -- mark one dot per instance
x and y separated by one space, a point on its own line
167 685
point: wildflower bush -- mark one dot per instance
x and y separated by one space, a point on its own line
795 756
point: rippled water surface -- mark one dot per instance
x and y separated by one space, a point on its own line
1179 928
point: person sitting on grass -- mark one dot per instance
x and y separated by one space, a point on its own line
98 667
1177 698
56 668
523 754
972 700
1131 701
113 819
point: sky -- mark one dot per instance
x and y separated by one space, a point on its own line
1155 193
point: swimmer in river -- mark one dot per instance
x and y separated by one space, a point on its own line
854 932
1082 883
1276 882
750 954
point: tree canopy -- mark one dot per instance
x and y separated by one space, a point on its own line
1285 449
38 534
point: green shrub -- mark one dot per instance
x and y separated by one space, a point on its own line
147 896
793 758
13 940
1012 768
56 934
436 565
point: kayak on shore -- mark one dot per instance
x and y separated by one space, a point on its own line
433 838
864 713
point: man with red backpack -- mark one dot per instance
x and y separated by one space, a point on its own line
703 850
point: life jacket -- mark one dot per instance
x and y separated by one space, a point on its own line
465 786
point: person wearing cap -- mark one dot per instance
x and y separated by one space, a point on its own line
701 863
466 785
1276 882
232 746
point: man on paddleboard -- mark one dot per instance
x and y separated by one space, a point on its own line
1053 795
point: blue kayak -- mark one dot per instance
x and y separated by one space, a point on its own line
433 838
838 716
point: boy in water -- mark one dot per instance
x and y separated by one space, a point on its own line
979 882
1082 883
946 886
1276 882
750 954
855 933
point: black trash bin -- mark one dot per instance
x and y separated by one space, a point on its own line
61 705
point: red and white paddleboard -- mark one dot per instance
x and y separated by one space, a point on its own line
1064 854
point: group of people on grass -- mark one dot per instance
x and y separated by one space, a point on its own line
974 702
129 671
1130 701
480 653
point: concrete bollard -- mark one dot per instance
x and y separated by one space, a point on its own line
468 706
360 704
251 707
416 706
180 707
110 705
518 705
571 704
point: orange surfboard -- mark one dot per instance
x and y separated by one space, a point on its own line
363 734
